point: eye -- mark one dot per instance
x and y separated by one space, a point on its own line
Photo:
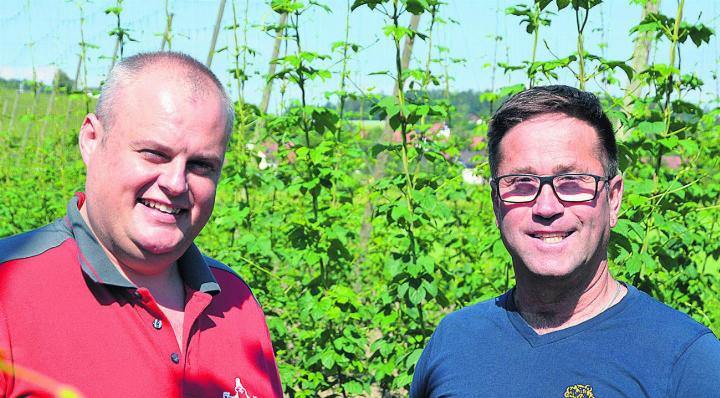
153 155
202 168
516 180
576 178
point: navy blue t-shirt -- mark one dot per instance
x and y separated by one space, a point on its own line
636 348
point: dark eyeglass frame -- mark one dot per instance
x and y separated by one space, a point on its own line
548 179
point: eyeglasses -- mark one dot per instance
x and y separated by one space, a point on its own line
523 188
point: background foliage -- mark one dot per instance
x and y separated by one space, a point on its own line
357 236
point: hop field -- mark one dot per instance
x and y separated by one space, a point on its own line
351 219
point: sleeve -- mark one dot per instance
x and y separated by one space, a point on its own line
421 376
697 371
271 367
6 377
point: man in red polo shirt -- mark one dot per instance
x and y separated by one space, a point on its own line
114 299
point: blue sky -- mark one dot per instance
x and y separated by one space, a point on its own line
46 32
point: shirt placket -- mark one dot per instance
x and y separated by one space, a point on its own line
195 305
159 329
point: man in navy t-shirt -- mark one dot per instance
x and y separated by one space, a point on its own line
568 328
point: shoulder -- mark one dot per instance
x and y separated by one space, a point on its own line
477 319
33 243
664 331
231 283
462 338
216 265
697 370
477 313
669 321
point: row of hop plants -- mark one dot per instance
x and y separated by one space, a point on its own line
357 247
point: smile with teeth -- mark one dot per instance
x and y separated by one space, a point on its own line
160 207
554 237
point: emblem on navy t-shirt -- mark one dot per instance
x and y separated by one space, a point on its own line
579 391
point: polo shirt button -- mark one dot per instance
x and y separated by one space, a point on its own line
157 324
175 357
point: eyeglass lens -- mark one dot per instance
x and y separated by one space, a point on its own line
569 188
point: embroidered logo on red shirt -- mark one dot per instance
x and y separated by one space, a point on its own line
239 389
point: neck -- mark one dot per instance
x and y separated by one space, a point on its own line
548 305
162 279
167 287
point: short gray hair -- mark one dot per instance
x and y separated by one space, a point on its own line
129 68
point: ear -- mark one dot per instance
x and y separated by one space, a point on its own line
616 188
91 133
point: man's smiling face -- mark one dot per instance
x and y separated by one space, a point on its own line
548 237
152 177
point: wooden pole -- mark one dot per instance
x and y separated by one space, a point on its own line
641 52
3 112
66 125
48 109
18 93
77 74
213 41
114 56
265 102
33 111
640 57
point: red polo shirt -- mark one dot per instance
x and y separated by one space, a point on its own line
68 314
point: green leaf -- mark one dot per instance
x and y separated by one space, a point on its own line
397 32
649 128
400 211
113 10
427 263
371 4
416 7
417 295
403 288
511 90
413 358
562 4
353 388
633 265
431 288
328 359
690 146
669 142
377 149
285 6
619 64
414 269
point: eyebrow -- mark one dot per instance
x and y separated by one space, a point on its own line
559 169
137 144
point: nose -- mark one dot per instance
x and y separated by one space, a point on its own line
547 204
172 179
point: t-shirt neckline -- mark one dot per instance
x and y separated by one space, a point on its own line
537 340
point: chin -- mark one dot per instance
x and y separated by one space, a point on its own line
160 244
550 270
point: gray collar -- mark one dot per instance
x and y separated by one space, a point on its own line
98 267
